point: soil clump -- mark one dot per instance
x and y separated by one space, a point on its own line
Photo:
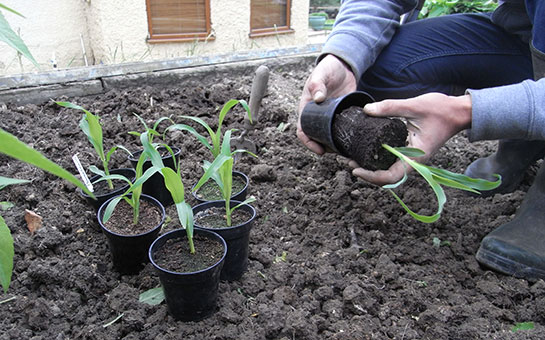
360 137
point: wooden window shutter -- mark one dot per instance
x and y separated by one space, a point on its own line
269 17
178 20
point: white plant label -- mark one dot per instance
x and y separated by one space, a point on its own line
84 177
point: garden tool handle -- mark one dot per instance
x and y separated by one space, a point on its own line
259 86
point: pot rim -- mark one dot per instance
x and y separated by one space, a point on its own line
183 232
149 198
222 202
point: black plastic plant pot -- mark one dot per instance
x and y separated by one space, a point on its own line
239 196
155 185
237 238
130 252
118 190
189 296
317 119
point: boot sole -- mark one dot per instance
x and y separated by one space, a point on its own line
508 266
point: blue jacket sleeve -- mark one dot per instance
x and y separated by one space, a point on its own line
362 29
514 111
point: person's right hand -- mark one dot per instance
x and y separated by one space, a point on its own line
330 79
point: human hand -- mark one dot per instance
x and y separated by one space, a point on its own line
330 79
432 119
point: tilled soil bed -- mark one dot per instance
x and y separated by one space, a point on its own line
331 257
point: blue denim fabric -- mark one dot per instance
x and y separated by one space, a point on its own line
450 54
536 13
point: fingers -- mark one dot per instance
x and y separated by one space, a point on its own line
380 177
309 143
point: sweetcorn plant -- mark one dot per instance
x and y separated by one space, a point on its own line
221 171
13 147
134 192
435 178
91 127
215 136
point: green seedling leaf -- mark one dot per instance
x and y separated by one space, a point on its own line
5 181
435 178
13 147
11 10
6 255
6 205
8 36
113 321
183 127
523 326
153 296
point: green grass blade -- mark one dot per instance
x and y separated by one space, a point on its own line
453 184
6 255
152 296
112 177
422 218
410 152
246 201
160 120
427 175
110 208
474 183
213 168
183 127
201 122
5 181
8 36
13 147
11 10
174 184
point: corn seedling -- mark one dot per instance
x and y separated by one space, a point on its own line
221 171
11 38
152 132
91 127
13 147
435 178
133 193
215 136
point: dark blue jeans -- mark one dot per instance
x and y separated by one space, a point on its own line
449 54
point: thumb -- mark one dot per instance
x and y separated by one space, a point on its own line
380 109
319 94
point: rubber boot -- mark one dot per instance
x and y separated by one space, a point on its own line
510 161
518 247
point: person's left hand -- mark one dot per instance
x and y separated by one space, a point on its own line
432 119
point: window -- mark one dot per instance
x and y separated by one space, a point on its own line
269 17
178 20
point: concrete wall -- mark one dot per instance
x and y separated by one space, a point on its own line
115 32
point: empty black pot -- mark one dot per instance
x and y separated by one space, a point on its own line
189 296
101 198
155 185
317 119
130 252
237 238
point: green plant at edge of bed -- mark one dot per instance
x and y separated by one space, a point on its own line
13 147
435 178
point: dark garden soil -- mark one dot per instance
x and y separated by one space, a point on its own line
331 257
360 137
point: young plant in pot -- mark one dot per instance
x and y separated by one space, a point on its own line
231 219
132 221
155 186
375 144
13 147
188 261
208 191
103 190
